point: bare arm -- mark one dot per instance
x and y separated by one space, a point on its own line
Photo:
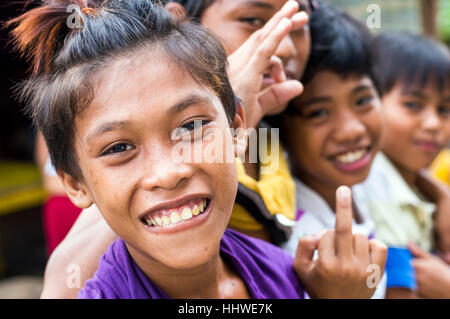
82 248
440 194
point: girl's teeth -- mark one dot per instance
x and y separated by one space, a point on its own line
165 220
175 217
186 214
350 157
158 220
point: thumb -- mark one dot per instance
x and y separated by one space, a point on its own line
305 253
417 252
274 99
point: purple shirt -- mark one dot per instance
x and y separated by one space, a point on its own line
266 270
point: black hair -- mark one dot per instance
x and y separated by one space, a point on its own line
340 44
412 60
64 59
196 8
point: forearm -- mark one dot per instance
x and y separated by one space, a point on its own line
76 259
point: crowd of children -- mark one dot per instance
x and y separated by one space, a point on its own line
361 118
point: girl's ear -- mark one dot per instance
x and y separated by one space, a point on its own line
176 9
240 129
76 190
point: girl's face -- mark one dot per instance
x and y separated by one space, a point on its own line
125 149
333 135
417 125
233 21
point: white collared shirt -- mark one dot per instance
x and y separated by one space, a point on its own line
315 215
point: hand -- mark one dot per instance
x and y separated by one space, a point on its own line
341 269
432 274
249 63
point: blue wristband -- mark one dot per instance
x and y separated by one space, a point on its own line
399 270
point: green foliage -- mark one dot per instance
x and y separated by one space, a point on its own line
444 20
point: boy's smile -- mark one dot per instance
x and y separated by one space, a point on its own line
170 214
177 215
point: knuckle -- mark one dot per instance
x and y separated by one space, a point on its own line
360 237
325 268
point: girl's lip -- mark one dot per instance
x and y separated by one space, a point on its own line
182 225
426 146
174 203
355 166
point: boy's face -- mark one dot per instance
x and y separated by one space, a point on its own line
417 125
334 134
125 150
233 21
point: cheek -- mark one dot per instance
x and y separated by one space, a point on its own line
373 123
233 40
228 33
446 130
306 143
303 46
398 123
109 186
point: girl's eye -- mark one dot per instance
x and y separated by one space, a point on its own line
444 110
364 100
413 106
254 22
194 125
119 148
316 114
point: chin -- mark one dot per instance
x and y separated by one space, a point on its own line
190 258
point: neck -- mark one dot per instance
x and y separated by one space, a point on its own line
212 279
408 175
326 191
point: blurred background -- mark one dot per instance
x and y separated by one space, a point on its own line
23 250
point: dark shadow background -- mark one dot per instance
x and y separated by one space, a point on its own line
22 249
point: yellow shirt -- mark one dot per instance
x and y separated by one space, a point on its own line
441 166
276 189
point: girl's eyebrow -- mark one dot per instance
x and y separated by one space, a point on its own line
104 128
190 100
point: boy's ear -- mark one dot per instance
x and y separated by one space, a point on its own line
76 190
176 10
240 137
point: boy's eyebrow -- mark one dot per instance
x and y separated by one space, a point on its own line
315 100
178 107
105 127
415 93
361 87
190 100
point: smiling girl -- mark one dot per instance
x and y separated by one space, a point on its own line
107 100
260 202
332 131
